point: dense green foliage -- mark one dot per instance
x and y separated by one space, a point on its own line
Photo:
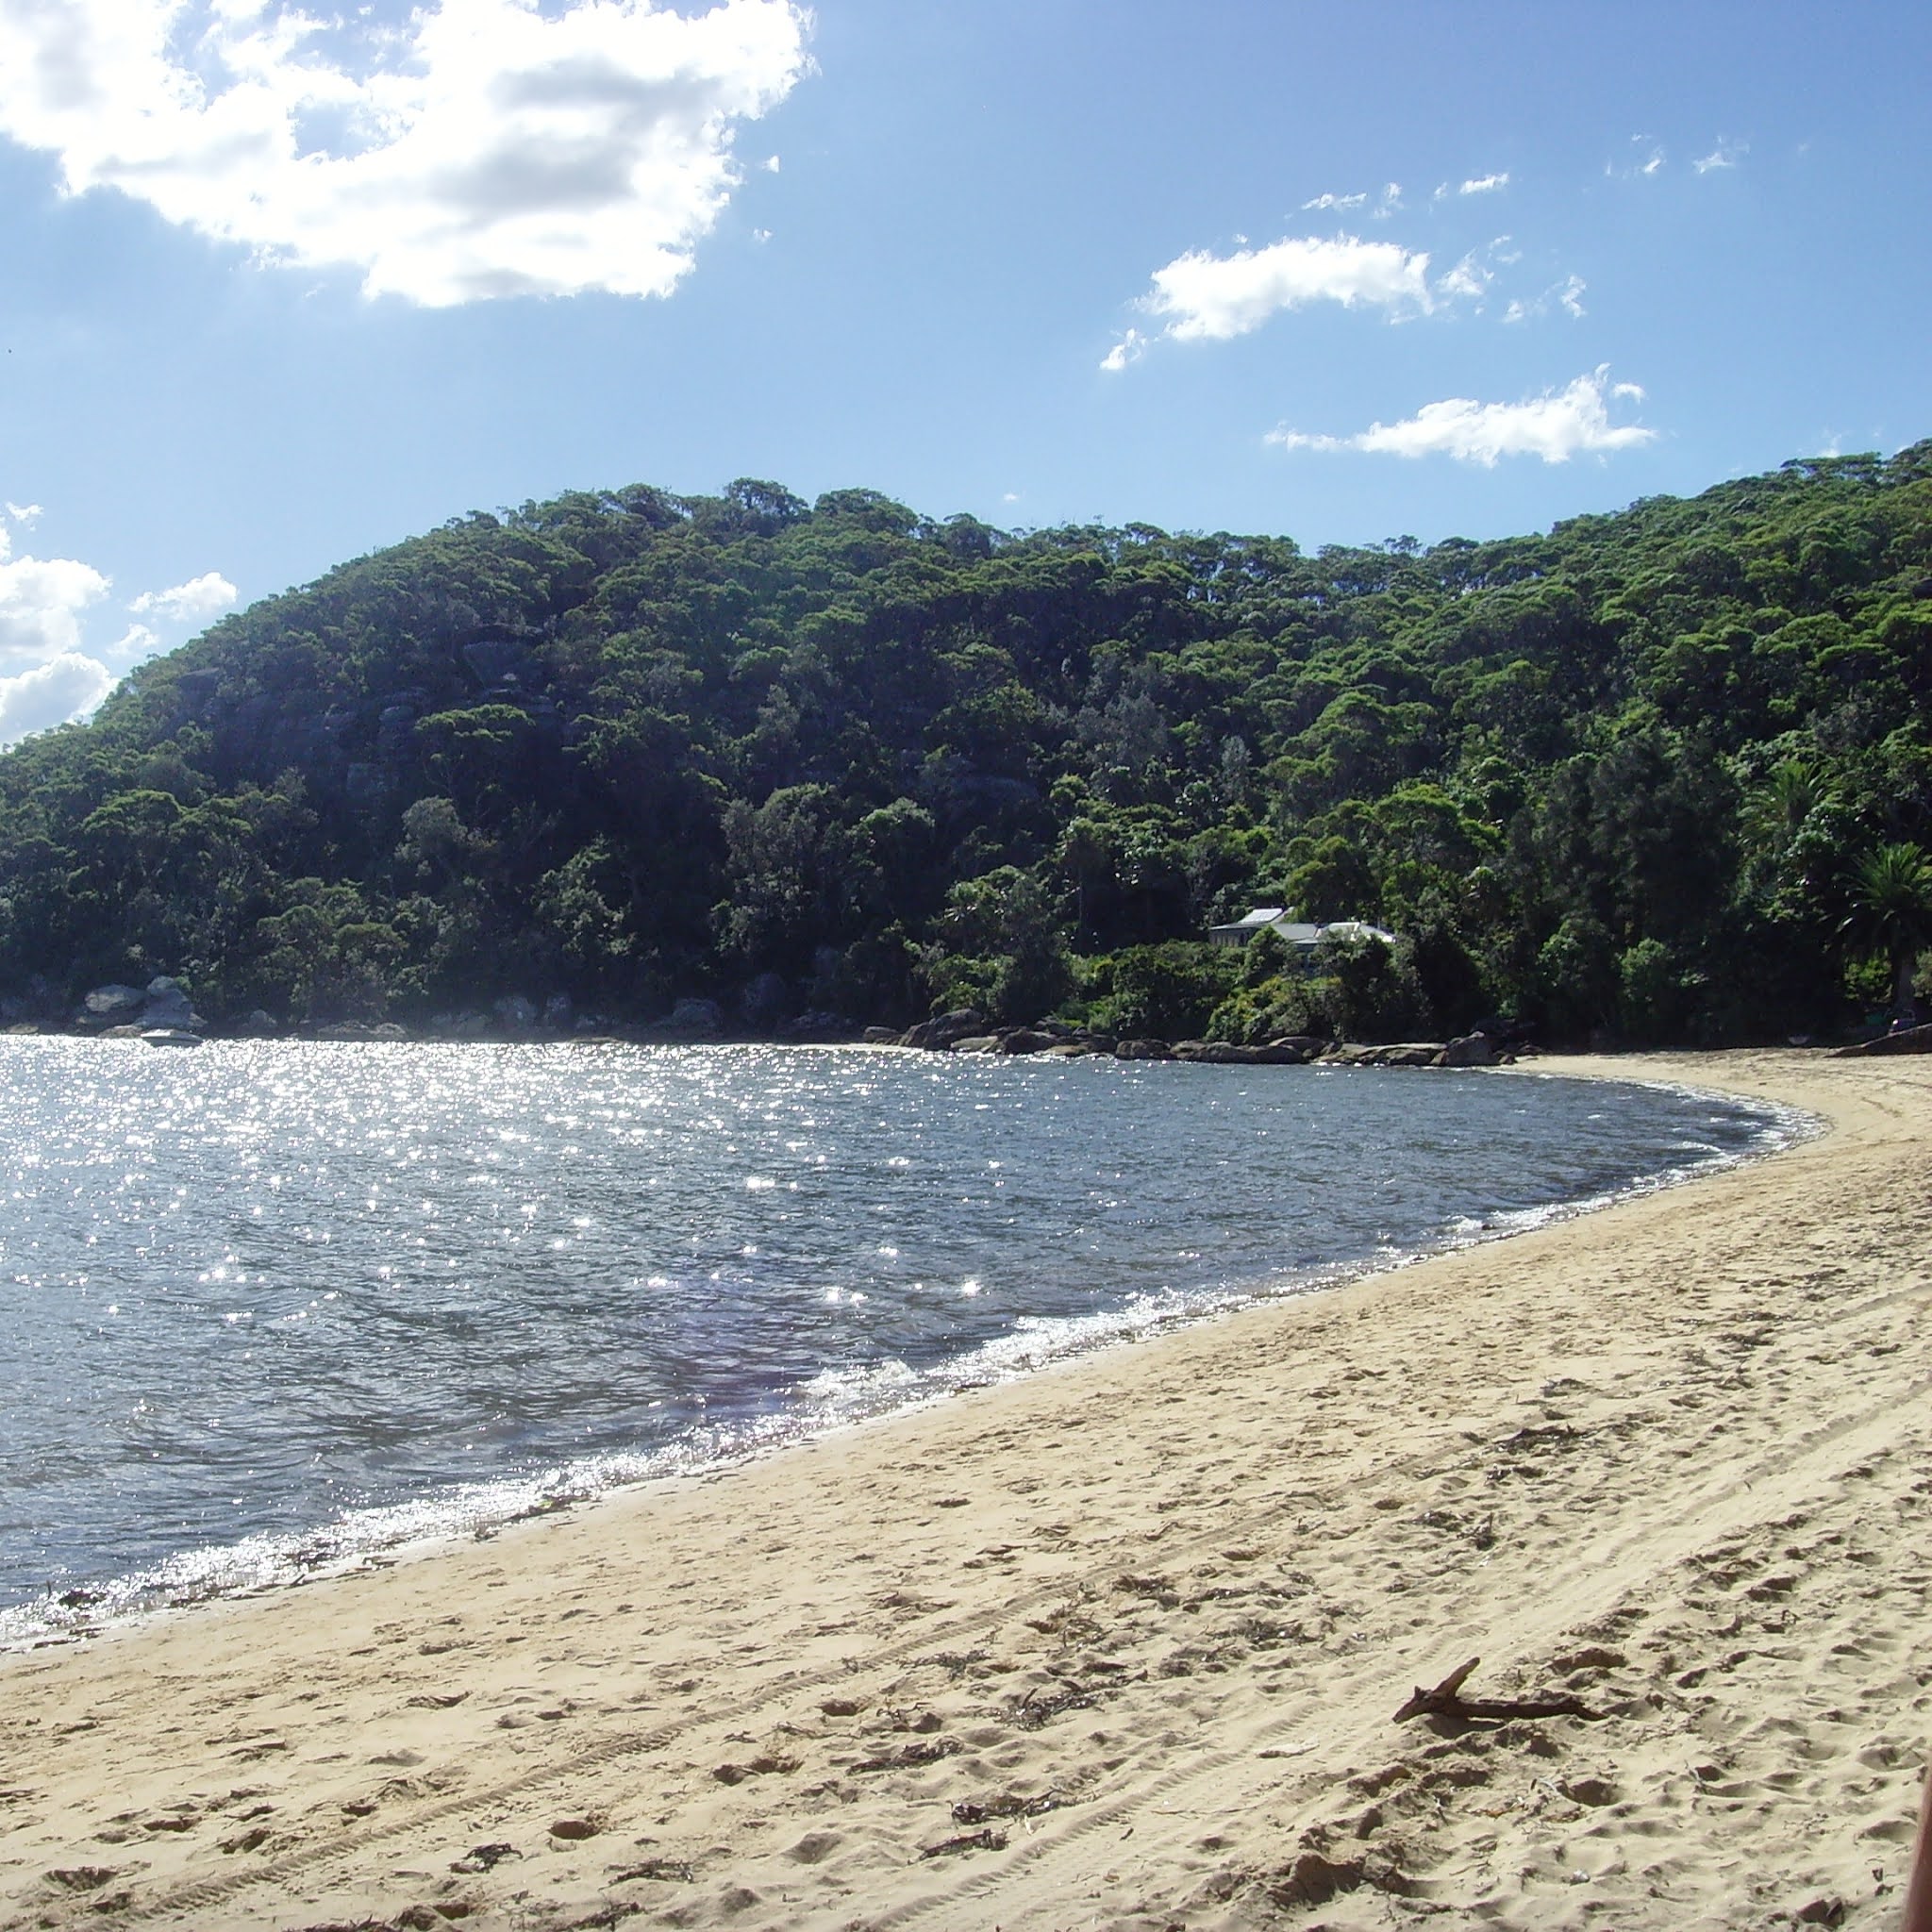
1664 774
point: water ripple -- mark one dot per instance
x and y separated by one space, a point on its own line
268 1307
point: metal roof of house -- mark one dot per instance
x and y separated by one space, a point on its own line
1301 932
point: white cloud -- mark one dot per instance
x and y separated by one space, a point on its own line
485 148
1567 295
41 599
49 669
1214 297
1324 202
205 596
1484 184
1473 278
65 686
1469 278
1129 349
1726 154
136 643
1390 200
1649 160
1556 425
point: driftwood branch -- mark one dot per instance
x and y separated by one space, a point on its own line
1446 1700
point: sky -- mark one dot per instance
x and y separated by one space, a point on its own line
281 284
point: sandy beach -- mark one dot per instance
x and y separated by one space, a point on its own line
1123 1645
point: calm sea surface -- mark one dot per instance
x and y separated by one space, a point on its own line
269 1306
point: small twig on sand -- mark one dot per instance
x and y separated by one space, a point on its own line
1446 1700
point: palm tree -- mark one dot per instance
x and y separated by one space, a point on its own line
1891 912
1786 798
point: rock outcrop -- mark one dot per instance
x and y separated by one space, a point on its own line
163 1001
937 1034
112 1006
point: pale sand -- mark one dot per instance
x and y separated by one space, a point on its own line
1672 1456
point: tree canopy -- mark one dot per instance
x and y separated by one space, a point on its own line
1662 775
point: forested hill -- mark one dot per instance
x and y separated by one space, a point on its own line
1665 773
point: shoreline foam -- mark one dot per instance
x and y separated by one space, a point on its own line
1671 1456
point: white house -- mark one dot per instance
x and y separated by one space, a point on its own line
1302 934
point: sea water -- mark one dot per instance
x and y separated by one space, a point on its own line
266 1307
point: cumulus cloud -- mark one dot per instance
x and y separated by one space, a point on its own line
1556 425
1212 297
199 598
1206 297
49 669
64 688
484 148
41 599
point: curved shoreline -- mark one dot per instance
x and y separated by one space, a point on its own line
1668 1455
408 1528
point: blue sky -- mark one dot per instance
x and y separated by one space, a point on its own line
281 286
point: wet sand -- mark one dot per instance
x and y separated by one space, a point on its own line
1121 1646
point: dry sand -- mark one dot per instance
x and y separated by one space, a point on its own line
1121 1646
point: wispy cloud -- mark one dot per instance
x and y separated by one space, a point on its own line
1556 425
1474 276
1385 202
1567 295
1726 154
483 148
1484 184
1649 159
1469 279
